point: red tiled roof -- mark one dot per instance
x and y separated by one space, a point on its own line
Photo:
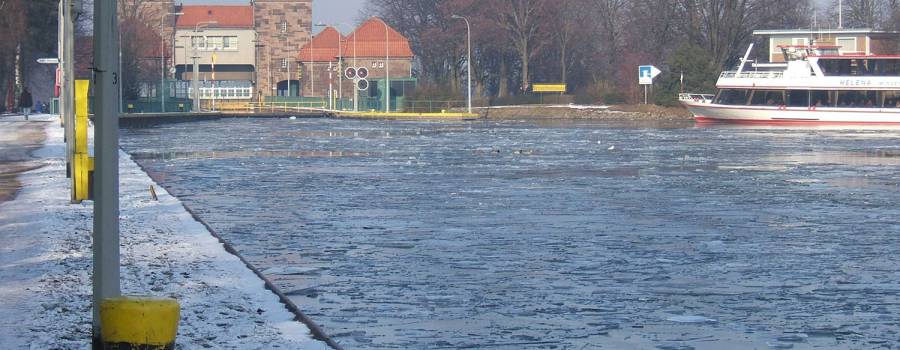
324 47
225 16
370 41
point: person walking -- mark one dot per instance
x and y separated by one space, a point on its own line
25 102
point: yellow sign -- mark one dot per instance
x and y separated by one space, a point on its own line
548 88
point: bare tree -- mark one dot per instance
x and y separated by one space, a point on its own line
522 21
567 17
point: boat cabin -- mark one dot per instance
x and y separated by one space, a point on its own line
831 42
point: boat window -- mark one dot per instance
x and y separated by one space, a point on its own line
847 45
732 97
776 42
891 99
767 98
820 98
860 67
798 98
888 68
857 99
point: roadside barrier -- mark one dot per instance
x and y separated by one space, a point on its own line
135 322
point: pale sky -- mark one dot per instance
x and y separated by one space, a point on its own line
324 11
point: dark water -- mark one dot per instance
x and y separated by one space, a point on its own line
517 235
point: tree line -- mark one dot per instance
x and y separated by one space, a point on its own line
28 31
595 46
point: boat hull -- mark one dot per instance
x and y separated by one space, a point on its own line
707 112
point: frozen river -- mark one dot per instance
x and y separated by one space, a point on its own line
579 235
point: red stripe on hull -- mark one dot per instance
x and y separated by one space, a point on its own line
700 119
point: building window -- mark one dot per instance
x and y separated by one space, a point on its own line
380 64
198 42
230 43
374 64
283 26
214 43
284 63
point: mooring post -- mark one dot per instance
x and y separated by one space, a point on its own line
106 148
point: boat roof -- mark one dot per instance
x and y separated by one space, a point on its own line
822 31
853 56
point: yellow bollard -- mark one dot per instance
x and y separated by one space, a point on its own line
83 163
133 322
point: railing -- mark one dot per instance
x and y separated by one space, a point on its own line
752 74
286 106
701 98
432 106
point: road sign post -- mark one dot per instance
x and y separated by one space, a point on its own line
645 77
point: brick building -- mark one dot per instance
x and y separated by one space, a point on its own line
282 28
222 40
279 28
373 45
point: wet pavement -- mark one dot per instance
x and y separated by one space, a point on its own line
18 138
569 235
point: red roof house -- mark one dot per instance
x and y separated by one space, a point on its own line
324 47
369 41
224 16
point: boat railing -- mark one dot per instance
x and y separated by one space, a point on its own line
752 74
697 98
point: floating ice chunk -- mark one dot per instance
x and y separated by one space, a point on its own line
690 319
290 270
796 337
779 345
612 147
292 118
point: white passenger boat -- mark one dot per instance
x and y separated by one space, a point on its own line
814 84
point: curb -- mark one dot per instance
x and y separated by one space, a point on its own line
314 328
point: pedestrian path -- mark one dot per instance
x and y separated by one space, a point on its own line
45 264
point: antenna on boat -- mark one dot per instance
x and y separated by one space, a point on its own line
744 60
840 14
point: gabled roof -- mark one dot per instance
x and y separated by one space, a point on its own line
369 41
325 46
224 16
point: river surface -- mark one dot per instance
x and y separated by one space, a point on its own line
566 235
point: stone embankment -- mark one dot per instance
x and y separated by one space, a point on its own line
615 112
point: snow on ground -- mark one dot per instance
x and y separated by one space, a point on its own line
46 263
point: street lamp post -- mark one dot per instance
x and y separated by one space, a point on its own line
355 87
312 74
340 69
162 59
468 60
195 76
387 69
